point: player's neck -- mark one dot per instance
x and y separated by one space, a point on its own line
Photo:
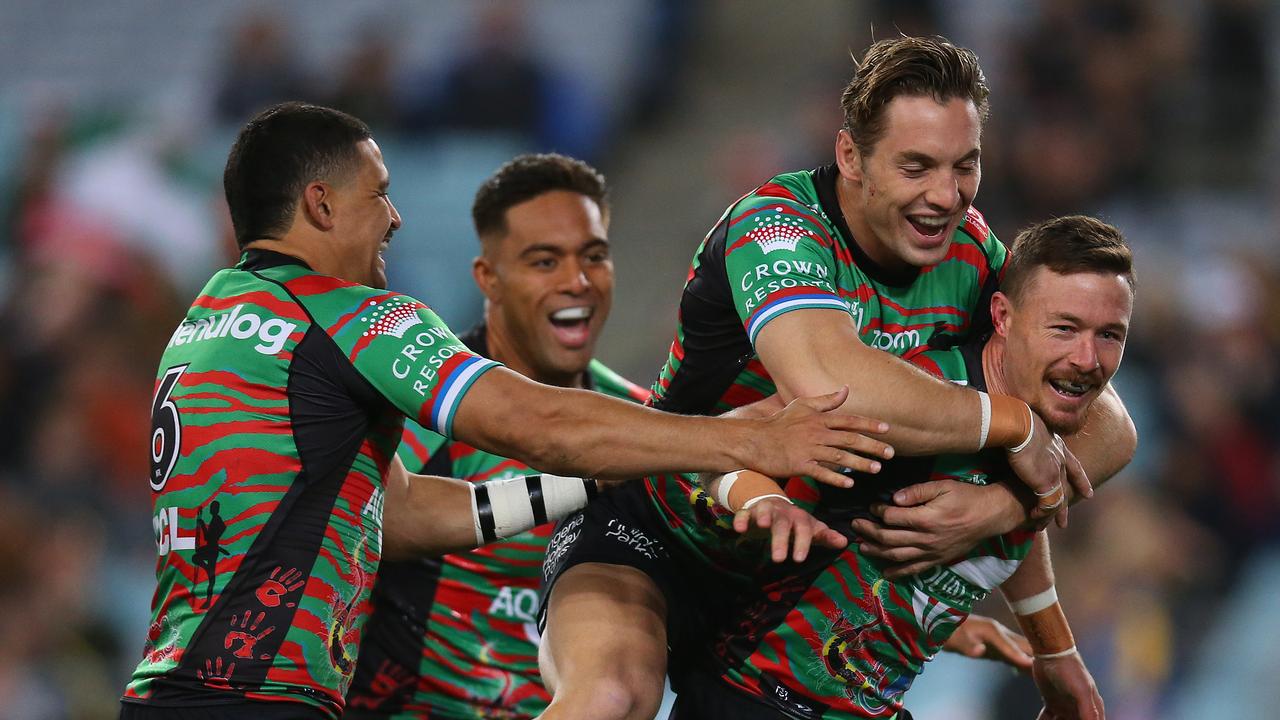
508 352
308 253
993 365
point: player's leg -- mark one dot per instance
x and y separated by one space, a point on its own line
604 652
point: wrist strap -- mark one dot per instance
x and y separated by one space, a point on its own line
1051 656
747 505
1011 424
502 508
1046 629
1035 603
985 401
726 484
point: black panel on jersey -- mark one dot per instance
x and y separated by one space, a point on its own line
395 634
716 347
331 408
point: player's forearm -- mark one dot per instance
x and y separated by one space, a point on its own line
425 516
592 435
926 415
575 432
1034 602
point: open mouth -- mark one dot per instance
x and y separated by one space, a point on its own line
930 227
1072 390
572 325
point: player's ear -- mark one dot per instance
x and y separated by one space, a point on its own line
848 157
1001 309
486 278
317 205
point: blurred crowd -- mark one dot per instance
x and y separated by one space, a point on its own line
1162 122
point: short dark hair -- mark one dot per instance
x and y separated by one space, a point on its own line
525 178
275 156
922 66
1066 245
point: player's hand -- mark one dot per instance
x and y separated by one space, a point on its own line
936 522
1067 689
1052 473
790 527
809 438
986 638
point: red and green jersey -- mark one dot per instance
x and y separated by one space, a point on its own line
456 637
279 402
786 247
832 637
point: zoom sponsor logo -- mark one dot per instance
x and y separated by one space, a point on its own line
237 324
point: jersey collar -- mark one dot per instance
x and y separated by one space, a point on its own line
259 259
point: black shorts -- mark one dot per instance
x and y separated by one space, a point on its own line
620 527
230 711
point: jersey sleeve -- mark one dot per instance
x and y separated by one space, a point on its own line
778 257
402 348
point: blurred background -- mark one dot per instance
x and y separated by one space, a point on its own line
1159 116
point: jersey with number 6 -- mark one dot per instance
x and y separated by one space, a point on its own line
456 637
279 402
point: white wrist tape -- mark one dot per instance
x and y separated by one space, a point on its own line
1050 656
985 399
1027 440
726 484
502 508
747 505
1035 603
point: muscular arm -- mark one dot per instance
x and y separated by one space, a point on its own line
575 432
1108 440
814 350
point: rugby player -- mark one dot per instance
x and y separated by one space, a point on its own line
454 637
816 280
281 397
832 637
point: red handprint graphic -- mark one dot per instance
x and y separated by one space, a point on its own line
215 675
390 680
273 587
245 635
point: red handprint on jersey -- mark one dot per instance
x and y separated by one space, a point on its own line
215 675
273 587
245 635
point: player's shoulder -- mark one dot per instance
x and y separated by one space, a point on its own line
791 190
339 304
974 242
975 231
611 383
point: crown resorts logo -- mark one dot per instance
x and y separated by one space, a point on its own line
392 318
777 231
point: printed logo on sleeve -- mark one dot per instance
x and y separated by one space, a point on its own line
777 231
392 318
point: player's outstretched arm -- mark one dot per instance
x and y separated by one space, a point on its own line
583 433
814 350
1065 683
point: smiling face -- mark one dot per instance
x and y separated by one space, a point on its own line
905 198
365 219
549 283
1064 338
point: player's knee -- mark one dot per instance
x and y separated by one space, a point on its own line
626 696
